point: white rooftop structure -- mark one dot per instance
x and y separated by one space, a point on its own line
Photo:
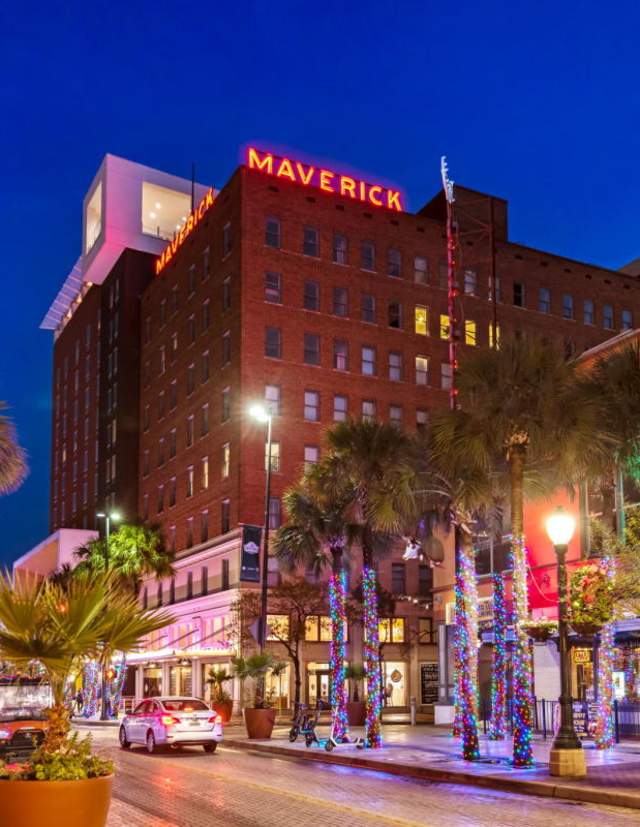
128 205
53 552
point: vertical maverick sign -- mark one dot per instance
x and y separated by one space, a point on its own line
250 561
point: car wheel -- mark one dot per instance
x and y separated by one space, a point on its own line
211 746
293 734
122 737
151 742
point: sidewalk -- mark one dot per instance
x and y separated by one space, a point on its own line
430 753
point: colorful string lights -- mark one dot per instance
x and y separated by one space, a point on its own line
604 731
466 654
373 734
522 665
497 725
337 653
90 680
118 685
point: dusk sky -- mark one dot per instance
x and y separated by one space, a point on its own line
535 102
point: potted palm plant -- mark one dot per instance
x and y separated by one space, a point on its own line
259 718
356 709
58 627
221 700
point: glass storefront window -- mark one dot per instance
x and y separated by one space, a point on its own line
395 683
391 630
152 682
277 688
180 680
278 627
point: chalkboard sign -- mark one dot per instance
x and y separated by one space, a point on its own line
428 682
584 718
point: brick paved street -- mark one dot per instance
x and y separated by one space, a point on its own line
241 789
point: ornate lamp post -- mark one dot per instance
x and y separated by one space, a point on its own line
567 756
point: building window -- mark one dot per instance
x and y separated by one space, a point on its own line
227 239
395 366
567 306
340 249
205 472
226 460
391 630
226 405
163 360
588 311
446 376
146 417
394 315
273 344
340 354
368 308
422 418
312 406
272 233
544 300
145 463
205 264
470 283
425 581
189 544
226 294
275 456
225 516
272 399
394 262
340 301
191 379
226 347
368 255
518 294
205 420
368 361
275 516
206 314
173 443
161 459
174 347
420 270
395 415
311 349
204 536
206 366
190 431
161 406
163 312
172 492
311 242
317 628
497 342
272 288
398 578
311 456
470 334
627 320
225 574
191 280
607 317
160 508
368 410
421 320
340 408
311 299
422 370
191 327
278 627
190 481
174 299
444 326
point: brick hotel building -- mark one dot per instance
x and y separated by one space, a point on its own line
325 306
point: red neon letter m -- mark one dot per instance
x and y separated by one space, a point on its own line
264 164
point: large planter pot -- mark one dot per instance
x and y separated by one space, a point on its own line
224 710
540 634
259 723
356 713
56 803
585 628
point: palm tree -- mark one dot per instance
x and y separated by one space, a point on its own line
60 627
375 461
13 461
517 415
316 534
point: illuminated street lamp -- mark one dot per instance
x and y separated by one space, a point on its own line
566 756
114 516
263 415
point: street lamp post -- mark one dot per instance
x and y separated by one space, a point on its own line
261 414
567 756
108 516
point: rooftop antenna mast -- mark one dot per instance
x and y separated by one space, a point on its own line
452 284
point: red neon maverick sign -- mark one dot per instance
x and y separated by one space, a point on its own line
194 217
323 179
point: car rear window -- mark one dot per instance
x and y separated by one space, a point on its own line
184 705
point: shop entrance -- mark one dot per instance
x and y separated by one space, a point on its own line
152 682
319 685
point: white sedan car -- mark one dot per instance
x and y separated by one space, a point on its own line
173 722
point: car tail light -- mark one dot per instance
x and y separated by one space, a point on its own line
216 719
169 720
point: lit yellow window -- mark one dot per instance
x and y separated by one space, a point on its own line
325 628
469 332
384 630
278 627
397 630
311 628
491 335
422 320
444 326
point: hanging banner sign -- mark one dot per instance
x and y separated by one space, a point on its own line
250 560
323 179
195 216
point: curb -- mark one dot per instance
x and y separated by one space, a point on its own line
547 789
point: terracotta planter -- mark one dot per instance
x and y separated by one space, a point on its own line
56 803
224 710
259 723
356 713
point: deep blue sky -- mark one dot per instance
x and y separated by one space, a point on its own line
535 102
